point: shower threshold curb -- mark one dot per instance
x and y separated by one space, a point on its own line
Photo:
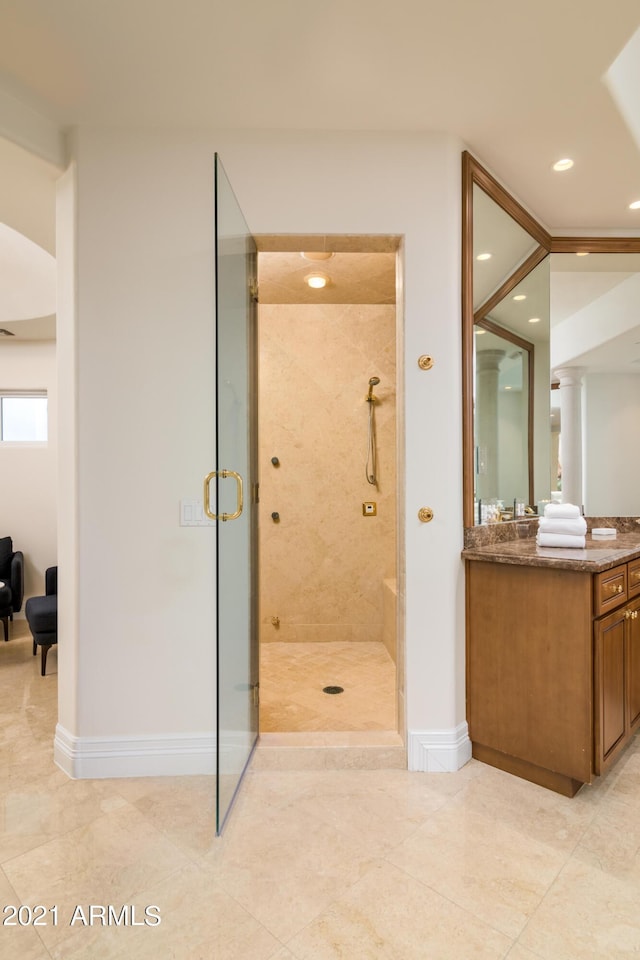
373 750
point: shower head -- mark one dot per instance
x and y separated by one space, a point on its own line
374 381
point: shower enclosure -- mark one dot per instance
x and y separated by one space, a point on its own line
327 461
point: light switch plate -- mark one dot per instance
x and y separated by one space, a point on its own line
192 514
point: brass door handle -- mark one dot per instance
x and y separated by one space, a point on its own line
223 474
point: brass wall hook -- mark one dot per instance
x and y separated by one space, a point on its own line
425 362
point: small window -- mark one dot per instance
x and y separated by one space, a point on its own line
23 417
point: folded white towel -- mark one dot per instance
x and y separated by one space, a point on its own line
559 540
561 511
574 528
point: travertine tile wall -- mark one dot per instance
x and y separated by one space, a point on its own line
323 564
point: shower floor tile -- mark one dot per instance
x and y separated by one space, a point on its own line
292 677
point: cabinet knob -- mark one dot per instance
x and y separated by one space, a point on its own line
628 614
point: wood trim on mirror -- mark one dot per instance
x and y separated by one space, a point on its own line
595 245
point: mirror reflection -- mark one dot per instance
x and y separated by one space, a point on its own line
511 400
573 300
501 406
500 245
595 357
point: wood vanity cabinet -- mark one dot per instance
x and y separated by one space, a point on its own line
617 681
553 669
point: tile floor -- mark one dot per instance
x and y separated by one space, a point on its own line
292 677
314 865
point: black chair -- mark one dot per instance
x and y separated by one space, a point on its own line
42 616
12 582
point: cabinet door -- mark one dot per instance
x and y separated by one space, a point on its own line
633 663
610 685
633 578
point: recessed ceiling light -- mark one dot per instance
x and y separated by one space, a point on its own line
483 256
565 164
520 296
582 253
635 205
317 280
534 319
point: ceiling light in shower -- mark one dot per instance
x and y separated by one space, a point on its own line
317 280
635 205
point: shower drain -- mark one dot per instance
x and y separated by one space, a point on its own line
333 689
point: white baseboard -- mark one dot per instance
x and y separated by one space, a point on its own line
100 757
429 751
439 751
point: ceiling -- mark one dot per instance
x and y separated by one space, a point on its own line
351 278
520 84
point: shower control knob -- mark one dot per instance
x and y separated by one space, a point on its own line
275 461
275 517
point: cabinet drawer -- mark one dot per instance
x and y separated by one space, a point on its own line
633 578
610 589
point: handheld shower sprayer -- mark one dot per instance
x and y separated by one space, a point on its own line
373 382
371 468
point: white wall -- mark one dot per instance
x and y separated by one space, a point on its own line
611 464
28 480
145 391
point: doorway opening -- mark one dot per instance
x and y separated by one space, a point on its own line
330 625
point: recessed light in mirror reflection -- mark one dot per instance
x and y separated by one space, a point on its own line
483 256
520 296
534 319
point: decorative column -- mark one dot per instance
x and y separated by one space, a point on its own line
487 427
571 432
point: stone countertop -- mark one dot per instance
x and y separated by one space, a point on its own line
597 555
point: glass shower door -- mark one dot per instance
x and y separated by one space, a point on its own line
235 487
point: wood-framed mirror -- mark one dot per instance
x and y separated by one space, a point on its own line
525 291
